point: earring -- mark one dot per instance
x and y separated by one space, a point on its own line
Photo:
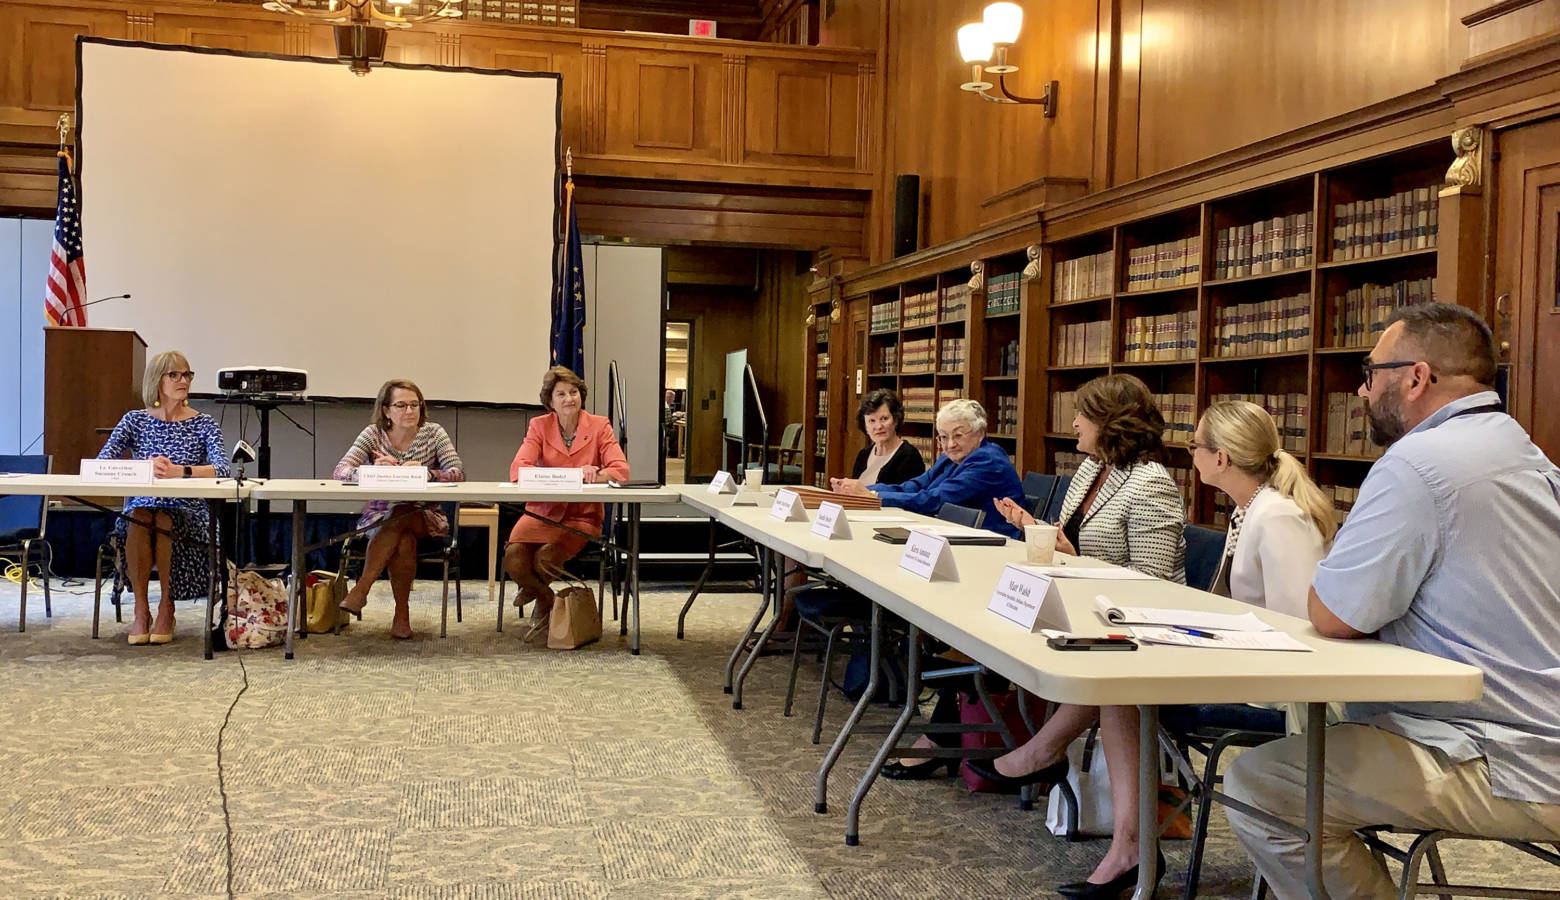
156 403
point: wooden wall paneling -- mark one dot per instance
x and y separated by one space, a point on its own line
1125 87
852 23
1218 76
1492 26
1034 391
140 23
710 214
802 115
722 323
663 104
28 180
297 38
38 46
414 47
223 32
593 97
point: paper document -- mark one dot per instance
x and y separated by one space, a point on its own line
953 531
1112 573
1227 640
1186 618
874 517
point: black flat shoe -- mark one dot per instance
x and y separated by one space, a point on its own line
1113 888
1049 775
920 771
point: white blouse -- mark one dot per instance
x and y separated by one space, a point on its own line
1276 555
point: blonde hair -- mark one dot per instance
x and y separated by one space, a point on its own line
387 392
1248 435
156 368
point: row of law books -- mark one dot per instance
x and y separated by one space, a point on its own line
884 317
920 309
1068 463
822 370
1171 264
821 437
948 395
1004 293
888 359
1156 338
1282 325
1270 245
1180 414
919 402
924 445
953 354
1361 314
1005 415
1291 415
1348 426
1182 476
1084 277
1083 344
955 303
823 403
918 355
1007 358
1064 408
1407 220
1343 498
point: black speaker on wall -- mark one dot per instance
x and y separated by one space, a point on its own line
907 214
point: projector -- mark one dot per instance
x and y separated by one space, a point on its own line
252 381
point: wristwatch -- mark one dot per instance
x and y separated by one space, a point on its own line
186 471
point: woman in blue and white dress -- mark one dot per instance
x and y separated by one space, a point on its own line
181 443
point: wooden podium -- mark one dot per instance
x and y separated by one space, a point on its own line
91 377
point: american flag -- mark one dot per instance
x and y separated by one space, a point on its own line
67 276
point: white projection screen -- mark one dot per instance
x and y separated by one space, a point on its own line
285 212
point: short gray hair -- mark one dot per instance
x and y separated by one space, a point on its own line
963 411
156 368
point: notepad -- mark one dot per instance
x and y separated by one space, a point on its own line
1227 640
1186 618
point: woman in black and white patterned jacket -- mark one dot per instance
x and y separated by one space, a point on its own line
1124 508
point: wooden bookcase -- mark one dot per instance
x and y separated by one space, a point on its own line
1085 316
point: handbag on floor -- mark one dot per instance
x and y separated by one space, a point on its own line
257 610
1091 786
973 712
574 621
323 592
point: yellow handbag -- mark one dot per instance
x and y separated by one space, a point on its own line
323 593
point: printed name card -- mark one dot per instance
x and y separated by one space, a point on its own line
929 556
537 478
397 478
721 484
788 507
831 522
117 471
1028 599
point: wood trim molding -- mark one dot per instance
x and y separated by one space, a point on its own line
734 109
295 38
1495 11
593 89
448 48
1010 234
140 24
864 84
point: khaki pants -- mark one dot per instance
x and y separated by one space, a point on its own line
1374 777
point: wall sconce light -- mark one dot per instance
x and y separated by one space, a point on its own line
984 47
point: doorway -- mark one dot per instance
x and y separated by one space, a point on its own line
676 414
1527 255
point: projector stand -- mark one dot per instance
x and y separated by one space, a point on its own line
263 405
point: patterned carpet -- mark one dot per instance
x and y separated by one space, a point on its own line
478 767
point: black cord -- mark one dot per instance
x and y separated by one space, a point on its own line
227 820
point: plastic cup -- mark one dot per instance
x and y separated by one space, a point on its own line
753 479
1040 544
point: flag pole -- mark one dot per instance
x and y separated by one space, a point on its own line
64 152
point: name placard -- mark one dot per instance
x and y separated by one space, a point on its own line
831 522
788 507
929 556
117 471
1028 599
538 478
721 484
399 478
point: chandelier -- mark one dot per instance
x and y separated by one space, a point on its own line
360 24
368 13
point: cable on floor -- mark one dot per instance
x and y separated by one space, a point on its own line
227 820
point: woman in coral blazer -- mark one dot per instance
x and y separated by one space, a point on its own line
566 438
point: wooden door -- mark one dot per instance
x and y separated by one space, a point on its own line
1527 247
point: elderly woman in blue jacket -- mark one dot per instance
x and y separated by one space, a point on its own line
971 472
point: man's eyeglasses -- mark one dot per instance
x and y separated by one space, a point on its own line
1369 369
403 406
181 376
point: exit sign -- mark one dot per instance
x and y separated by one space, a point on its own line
701 27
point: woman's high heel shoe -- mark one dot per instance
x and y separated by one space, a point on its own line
356 611
919 771
156 638
1113 888
136 640
987 769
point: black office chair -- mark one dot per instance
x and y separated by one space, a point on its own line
1038 488
23 521
1204 549
1053 509
961 515
445 550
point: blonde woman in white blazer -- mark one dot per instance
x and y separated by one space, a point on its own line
1122 507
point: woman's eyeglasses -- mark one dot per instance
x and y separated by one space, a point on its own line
403 406
181 376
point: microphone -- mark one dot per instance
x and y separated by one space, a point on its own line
243 453
105 300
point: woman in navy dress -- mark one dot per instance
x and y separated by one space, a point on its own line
181 443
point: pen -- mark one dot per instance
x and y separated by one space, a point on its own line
1195 633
